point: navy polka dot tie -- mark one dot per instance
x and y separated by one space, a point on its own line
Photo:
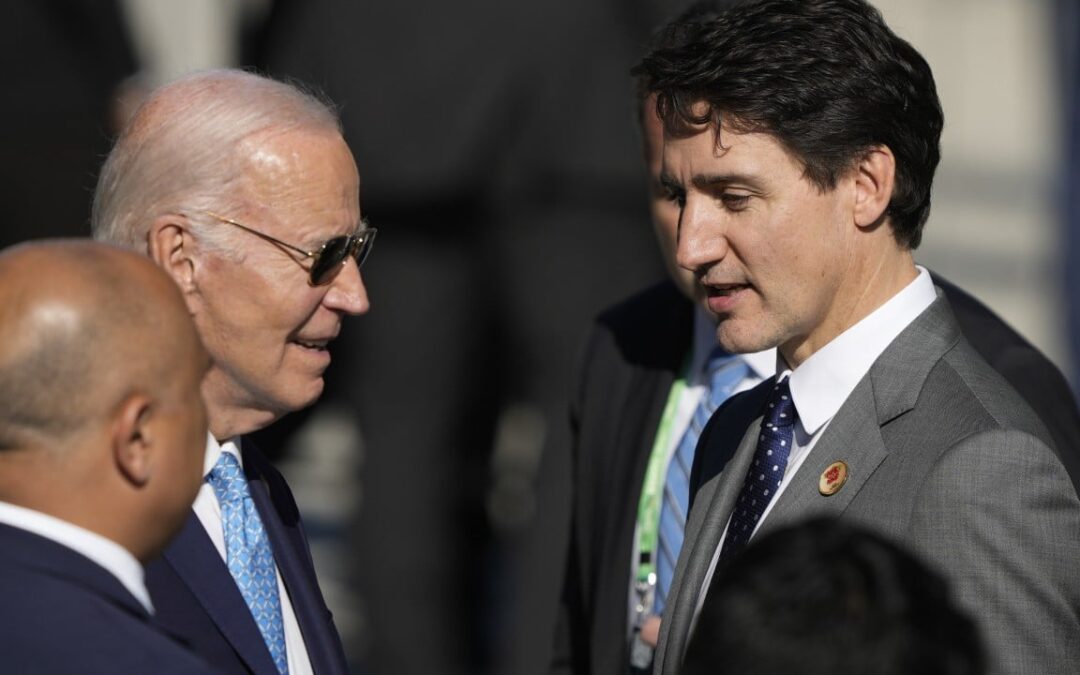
766 470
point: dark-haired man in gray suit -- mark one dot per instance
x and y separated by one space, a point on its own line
801 138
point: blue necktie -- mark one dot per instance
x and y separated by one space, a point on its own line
248 554
723 372
766 470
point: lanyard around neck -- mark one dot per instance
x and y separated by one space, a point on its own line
652 491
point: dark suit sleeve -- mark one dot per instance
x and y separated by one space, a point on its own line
570 649
625 376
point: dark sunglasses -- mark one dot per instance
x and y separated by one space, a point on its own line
327 261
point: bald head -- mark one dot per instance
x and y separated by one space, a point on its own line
81 326
103 424
187 147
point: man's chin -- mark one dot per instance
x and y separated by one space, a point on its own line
738 338
311 394
295 398
306 396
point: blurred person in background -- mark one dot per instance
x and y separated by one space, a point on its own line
243 190
65 67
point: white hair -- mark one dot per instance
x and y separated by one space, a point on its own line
182 152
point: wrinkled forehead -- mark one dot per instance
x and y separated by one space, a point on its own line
308 169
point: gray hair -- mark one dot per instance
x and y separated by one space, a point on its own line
182 151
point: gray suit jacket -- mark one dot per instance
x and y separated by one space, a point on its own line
944 456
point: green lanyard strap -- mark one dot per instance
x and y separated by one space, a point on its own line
652 492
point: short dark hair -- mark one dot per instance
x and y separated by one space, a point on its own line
827 78
825 597
661 37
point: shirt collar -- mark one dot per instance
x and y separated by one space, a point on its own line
762 364
116 559
214 450
821 384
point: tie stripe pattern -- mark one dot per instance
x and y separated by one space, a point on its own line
723 373
248 554
766 470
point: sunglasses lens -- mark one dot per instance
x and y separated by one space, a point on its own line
330 258
336 250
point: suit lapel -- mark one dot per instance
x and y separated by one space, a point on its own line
294 564
646 393
708 518
853 437
667 347
889 390
199 565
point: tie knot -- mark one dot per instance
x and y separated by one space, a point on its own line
717 359
227 479
779 408
723 371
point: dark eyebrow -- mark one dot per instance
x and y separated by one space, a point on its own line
669 182
702 181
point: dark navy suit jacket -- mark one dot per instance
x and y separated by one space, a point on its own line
195 596
61 612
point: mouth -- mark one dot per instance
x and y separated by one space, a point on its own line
313 345
722 298
724 290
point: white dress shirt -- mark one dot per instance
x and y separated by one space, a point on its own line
762 366
822 383
116 559
208 510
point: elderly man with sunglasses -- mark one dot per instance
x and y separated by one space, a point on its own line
243 190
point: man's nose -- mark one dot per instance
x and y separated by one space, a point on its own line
347 293
702 237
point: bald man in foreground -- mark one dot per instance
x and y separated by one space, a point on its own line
101 448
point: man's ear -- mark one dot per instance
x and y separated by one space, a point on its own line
171 246
875 177
132 440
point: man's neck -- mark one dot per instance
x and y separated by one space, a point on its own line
228 419
861 293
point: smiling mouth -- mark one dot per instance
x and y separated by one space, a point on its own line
317 345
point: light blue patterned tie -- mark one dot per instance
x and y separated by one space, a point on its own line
248 554
723 372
